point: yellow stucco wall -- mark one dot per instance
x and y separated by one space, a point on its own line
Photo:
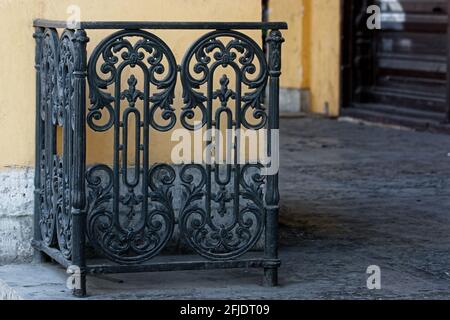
17 82
325 56
295 53
17 76
311 55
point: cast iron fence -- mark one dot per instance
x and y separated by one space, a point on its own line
127 214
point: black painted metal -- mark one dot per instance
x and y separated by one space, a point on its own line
127 214
176 25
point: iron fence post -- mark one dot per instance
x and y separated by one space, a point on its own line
79 160
38 256
274 41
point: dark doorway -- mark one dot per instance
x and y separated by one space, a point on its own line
396 74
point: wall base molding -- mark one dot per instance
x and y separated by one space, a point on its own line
16 214
295 100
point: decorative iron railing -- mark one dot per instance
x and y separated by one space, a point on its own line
128 213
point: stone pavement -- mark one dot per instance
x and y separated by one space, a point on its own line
353 195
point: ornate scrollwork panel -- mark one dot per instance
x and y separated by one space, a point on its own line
56 110
211 227
224 75
48 105
65 117
226 49
130 215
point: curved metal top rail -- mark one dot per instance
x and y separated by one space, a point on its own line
163 25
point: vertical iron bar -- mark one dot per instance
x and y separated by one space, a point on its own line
38 255
264 18
209 127
274 41
237 145
145 147
79 154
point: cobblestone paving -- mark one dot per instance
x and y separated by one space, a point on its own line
355 195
